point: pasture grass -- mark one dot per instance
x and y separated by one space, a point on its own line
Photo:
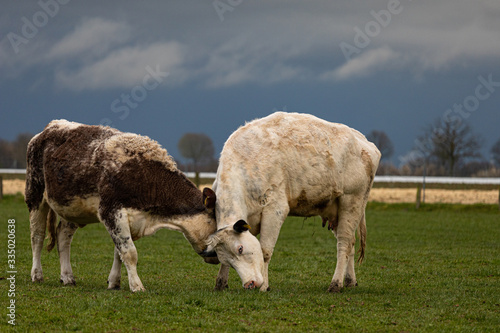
432 270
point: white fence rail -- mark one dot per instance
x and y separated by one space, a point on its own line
378 179
482 182
12 172
437 180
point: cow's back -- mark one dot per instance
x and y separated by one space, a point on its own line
300 155
59 161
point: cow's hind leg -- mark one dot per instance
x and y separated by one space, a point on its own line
351 211
65 232
38 224
116 272
119 229
350 275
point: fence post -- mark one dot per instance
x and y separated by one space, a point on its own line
499 198
419 195
1 188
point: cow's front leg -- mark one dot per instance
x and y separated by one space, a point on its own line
119 229
128 254
65 232
272 219
116 272
222 278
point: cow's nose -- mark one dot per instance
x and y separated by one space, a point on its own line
250 285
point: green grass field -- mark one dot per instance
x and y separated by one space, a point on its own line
432 270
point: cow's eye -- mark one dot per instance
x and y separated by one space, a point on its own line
240 249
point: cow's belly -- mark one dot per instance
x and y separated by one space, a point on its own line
80 211
314 200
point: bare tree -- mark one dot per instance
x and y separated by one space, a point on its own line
198 148
495 152
452 142
383 143
20 146
13 153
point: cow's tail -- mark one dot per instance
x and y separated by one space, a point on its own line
35 181
362 239
51 227
35 185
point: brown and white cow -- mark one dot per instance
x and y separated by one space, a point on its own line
290 164
90 174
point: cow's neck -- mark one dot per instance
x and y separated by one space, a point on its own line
196 228
231 205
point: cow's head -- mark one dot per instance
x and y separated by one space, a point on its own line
237 247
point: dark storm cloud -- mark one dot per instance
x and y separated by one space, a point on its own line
365 60
256 42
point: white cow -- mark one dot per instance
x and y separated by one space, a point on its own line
290 164
89 174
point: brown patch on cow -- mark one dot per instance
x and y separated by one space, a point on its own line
68 167
152 187
302 206
35 183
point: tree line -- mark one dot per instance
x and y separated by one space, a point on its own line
444 148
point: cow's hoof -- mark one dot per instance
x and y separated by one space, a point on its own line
36 275
138 289
68 281
348 282
221 285
114 286
334 288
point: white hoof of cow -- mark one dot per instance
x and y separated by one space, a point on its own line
36 275
114 285
349 283
138 289
335 287
68 280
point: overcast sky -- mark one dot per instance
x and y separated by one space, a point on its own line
164 68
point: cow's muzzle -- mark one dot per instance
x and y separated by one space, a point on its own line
250 285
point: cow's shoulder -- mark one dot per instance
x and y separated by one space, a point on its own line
122 147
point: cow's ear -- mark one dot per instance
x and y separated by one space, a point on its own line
209 198
241 226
